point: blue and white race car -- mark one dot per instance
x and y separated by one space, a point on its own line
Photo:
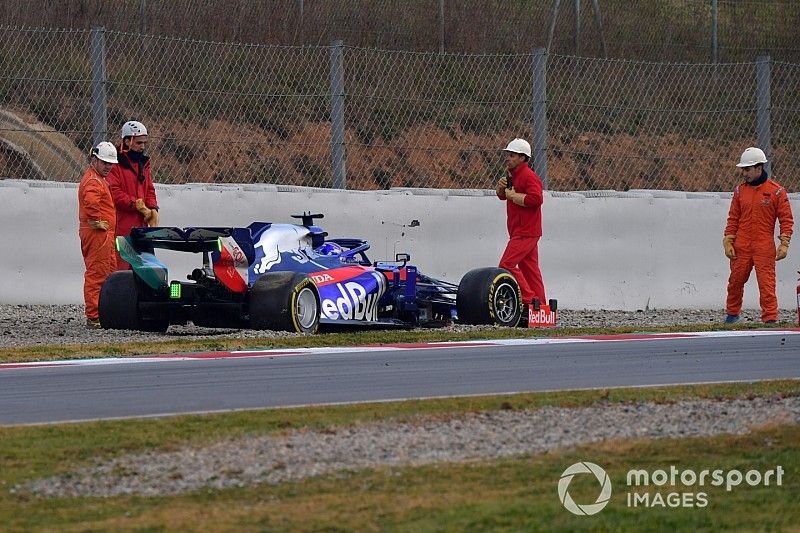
291 277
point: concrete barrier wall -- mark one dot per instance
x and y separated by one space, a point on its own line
601 249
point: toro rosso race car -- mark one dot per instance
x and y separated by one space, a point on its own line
291 277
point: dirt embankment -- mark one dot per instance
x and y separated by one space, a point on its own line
33 150
221 151
428 156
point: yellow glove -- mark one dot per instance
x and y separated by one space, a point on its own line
143 209
98 224
152 220
727 244
783 249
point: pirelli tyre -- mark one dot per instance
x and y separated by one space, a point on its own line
489 296
284 301
119 305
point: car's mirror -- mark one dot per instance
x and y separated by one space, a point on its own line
402 258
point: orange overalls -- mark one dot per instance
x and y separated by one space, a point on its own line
751 219
97 245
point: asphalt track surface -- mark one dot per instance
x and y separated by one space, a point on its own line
159 386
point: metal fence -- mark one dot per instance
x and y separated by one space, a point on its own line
654 30
341 116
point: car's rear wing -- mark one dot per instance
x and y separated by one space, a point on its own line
193 240
137 249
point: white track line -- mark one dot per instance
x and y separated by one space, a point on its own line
288 352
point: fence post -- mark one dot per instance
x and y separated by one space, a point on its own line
98 59
440 17
714 15
763 104
338 156
540 114
300 28
577 27
142 16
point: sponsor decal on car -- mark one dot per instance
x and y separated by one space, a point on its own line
281 242
353 299
231 267
322 278
543 318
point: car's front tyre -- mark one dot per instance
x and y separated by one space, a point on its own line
489 296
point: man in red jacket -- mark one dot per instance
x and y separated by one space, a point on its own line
132 184
749 238
522 192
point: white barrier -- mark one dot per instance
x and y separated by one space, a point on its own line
600 250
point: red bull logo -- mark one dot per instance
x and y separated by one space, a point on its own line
356 299
543 318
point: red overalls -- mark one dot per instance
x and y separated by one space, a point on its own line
521 256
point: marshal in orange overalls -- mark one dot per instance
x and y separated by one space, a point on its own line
97 245
755 207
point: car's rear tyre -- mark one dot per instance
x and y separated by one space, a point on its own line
489 296
284 301
119 305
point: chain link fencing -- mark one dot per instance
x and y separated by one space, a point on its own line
225 112
633 125
785 127
243 113
664 30
45 99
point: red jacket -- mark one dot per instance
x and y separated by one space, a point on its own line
130 180
525 221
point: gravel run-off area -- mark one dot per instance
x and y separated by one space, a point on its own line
299 454
29 325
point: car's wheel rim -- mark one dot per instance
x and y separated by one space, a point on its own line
306 308
505 303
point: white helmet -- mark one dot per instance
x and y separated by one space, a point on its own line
105 151
133 128
519 146
752 156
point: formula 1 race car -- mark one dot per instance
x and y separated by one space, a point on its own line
290 277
